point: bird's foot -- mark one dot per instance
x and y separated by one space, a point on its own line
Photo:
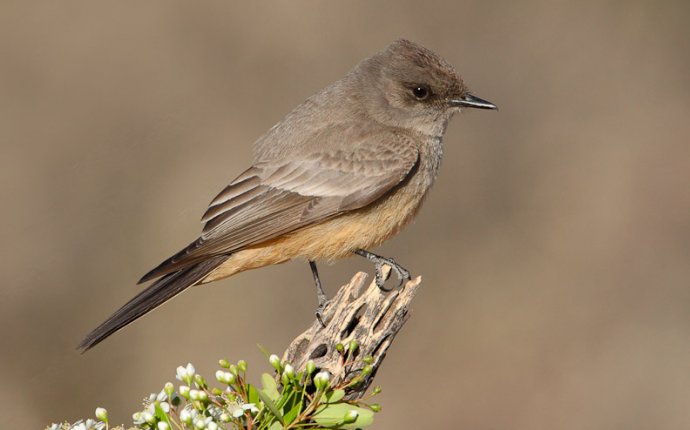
320 294
401 273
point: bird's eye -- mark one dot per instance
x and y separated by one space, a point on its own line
420 92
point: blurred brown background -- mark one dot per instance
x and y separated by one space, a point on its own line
555 247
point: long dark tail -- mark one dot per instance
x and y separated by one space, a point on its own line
153 296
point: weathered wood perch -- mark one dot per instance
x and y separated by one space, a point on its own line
370 316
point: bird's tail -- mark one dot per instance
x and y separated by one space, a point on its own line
153 296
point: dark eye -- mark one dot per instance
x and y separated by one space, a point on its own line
420 92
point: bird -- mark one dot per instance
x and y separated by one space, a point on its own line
345 170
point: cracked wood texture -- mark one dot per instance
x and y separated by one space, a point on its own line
358 312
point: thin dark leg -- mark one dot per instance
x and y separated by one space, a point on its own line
402 273
320 294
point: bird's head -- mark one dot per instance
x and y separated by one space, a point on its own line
409 86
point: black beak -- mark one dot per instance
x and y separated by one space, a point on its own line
468 100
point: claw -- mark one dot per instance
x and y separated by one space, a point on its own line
319 312
400 272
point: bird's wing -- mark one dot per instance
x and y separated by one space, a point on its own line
276 197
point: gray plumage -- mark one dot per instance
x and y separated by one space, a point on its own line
369 142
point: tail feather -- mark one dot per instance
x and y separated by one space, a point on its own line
153 296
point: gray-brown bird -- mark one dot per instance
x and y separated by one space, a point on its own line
341 173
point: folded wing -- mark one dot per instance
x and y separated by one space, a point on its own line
275 197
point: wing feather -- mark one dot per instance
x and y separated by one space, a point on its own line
275 197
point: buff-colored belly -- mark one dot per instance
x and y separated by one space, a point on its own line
329 240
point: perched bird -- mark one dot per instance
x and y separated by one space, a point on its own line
342 172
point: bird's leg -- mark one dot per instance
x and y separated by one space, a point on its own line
402 273
320 294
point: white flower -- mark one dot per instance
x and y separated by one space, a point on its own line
78 426
138 418
54 427
186 416
163 426
184 391
200 423
251 407
148 417
212 426
165 406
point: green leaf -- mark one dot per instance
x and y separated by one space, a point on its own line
161 415
331 415
252 394
270 386
334 396
276 426
293 407
271 406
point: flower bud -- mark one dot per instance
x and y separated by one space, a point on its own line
289 371
102 414
321 380
184 391
169 389
375 407
275 362
242 365
225 377
350 416
340 348
224 363
353 346
163 426
367 370
310 367
376 390
195 394
355 381
368 359
199 381
186 374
